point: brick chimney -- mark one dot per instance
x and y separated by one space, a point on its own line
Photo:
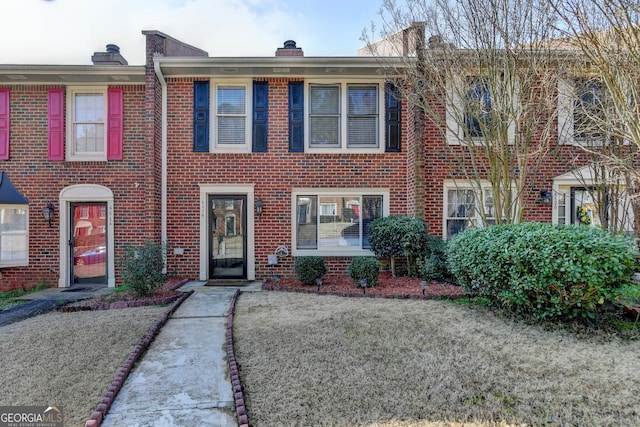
110 57
289 49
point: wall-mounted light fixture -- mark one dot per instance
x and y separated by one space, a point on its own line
48 213
545 197
259 206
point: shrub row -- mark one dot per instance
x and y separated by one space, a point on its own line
541 270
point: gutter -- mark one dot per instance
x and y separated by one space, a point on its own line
163 155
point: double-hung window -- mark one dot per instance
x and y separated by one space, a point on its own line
478 114
336 222
232 116
344 116
14 235
581 111
87 132
463 208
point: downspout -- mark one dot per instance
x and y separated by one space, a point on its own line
163 171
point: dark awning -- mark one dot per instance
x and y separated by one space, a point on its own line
8 193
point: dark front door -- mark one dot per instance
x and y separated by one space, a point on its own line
227 236
88 243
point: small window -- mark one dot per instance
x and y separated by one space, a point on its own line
588 111
463 208
232 122
87 130
14 237
478 107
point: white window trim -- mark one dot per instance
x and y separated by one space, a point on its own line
452 184
343 117
71 155
215 147
17 262
566 123
337 192
455 115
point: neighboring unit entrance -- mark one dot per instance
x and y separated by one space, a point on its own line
227 236
88 243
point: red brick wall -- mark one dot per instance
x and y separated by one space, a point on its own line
274 174
41 181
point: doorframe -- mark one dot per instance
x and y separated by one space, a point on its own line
230 189
84 193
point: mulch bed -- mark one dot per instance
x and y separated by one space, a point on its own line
387 287
165 294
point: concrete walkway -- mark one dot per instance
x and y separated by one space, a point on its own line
183 378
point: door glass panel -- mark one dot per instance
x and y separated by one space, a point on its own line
89 243
227 244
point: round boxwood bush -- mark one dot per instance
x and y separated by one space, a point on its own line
364 268
542 270
309 268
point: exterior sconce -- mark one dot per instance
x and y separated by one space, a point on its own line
259 206
48 213
545 197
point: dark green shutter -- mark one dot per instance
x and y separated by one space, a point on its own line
296 117
201 117
260 116
393 116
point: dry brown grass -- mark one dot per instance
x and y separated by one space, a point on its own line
69 359
309 360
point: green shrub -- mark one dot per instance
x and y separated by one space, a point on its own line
364 268
309 268
399 236
142 267
541 270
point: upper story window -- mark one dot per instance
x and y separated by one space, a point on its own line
471 112
344 116
477 108
232 124
87 130
581 111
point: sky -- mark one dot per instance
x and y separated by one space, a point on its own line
68 32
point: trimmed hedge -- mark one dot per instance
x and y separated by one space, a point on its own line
366 268
542 270
309 268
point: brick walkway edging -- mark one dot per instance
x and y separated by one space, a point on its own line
101 411
236 385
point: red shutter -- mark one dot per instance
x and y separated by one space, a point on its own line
114 124
5 110
55 120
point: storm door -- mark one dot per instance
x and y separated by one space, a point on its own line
227 236
88 243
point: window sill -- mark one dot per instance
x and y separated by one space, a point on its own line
333 252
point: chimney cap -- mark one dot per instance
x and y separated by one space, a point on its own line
290 44
289 49
113 48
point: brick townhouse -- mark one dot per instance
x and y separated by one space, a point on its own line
229 160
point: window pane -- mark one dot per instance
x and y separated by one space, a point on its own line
307 222
231 130
89 107
231 100
339 229
362 121
362 131
13 220
363 100
89 138
588 110
460 210
13 247
477 108
324 131
325 99
371 209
